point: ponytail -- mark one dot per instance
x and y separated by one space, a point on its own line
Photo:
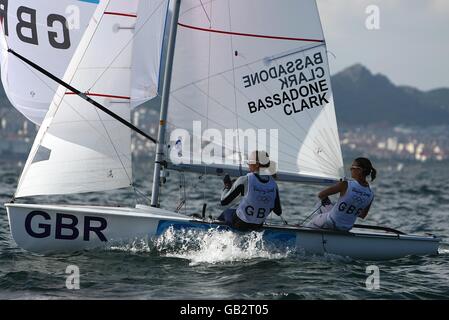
367 167
373 174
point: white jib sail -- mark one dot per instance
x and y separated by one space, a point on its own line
254 65
78 147
147 52
48 32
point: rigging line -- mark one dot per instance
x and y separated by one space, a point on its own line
294 51
83 96
142 194
326 142
185 193
182 199
220 125
248 121
136 32
60 97
334 146
113 146
196 7
204 9
292 134
219 74
304 169
332 113
331 169
253 124
90 40
208 81
329 145
235 93
335 137
84 120
293 164
226 147
223 72
294 118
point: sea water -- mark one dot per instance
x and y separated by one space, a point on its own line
218 264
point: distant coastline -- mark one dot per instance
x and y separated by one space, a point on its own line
376 118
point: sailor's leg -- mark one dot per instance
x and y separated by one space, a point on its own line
320 221
227 215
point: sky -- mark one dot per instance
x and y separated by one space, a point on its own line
411 45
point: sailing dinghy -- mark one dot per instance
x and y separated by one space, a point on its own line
239 68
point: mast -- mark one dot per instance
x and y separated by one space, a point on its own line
164 104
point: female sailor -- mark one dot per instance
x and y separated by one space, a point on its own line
258 191
355 199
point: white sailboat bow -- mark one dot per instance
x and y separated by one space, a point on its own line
239 75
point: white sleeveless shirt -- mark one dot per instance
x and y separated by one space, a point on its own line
260 199
345 212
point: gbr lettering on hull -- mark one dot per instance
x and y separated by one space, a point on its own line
27 27
65 226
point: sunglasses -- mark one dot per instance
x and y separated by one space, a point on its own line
354 167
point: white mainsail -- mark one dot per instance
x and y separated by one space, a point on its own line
78 148
48 32
252 65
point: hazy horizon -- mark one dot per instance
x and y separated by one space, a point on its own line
410 47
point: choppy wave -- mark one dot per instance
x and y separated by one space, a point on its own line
215 264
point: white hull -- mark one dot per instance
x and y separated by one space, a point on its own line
53 228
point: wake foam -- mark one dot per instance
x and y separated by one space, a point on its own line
216 246
135 246
443 249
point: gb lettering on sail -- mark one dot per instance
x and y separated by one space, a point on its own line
48 32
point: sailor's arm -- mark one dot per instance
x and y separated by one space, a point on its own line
277 204
237 189
340 187
364 212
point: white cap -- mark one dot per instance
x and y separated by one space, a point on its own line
267 167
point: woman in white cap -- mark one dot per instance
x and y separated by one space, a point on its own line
258 191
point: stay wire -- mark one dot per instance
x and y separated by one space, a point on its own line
234 86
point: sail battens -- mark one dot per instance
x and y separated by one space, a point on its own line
248 34
122 14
